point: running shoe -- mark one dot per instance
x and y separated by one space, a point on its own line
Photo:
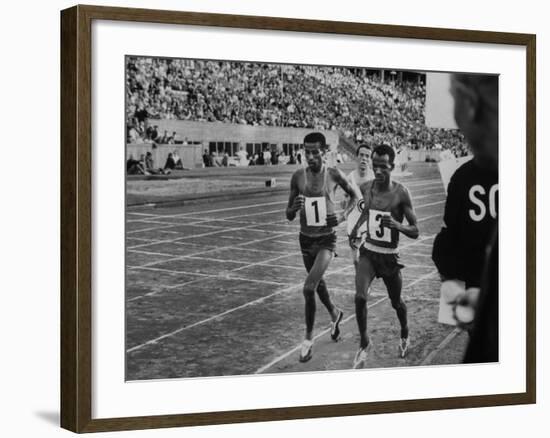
361 357
404 344
335 326
306 350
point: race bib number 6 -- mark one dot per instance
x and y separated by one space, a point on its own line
376 230
316 211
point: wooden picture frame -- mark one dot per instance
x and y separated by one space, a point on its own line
76 217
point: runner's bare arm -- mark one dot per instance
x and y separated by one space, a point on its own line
410 230
362 218
352 194
295 200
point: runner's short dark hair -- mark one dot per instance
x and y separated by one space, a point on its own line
316 137
385 149
362 145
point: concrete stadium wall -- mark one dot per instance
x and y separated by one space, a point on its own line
206 132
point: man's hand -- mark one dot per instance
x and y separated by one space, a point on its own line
354 241
464 308
389 222
298 204
332 220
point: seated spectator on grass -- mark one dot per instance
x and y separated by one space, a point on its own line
170 162
150 165
177 160
133 135
134 167
163 138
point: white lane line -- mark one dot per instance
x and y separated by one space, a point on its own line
148 229
210 233
235 247
225 276
145 240
326 331
170 271
253 205
199 223
212 318
322 333
422 182
430 204
429 195
203 277
210 250
218 210
430 357
141 214
429 217
427 245
268 261
250 303
251 225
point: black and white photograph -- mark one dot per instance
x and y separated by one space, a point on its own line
288 218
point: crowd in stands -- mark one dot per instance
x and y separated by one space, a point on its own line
357 104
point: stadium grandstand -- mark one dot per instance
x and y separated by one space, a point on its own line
261 107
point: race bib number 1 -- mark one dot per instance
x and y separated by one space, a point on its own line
376 230
316 211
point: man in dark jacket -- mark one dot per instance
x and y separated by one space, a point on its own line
467 247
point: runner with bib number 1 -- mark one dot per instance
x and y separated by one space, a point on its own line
386 204
312 192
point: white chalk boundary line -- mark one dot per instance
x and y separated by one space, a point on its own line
253 205
198 224
448 339
344 321
250 303
225 276
149 265
222 230
196 257
218 210
218 248
249 226
183 257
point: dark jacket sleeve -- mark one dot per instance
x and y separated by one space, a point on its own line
446 249
483 345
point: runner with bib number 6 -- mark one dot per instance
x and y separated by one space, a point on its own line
387 203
